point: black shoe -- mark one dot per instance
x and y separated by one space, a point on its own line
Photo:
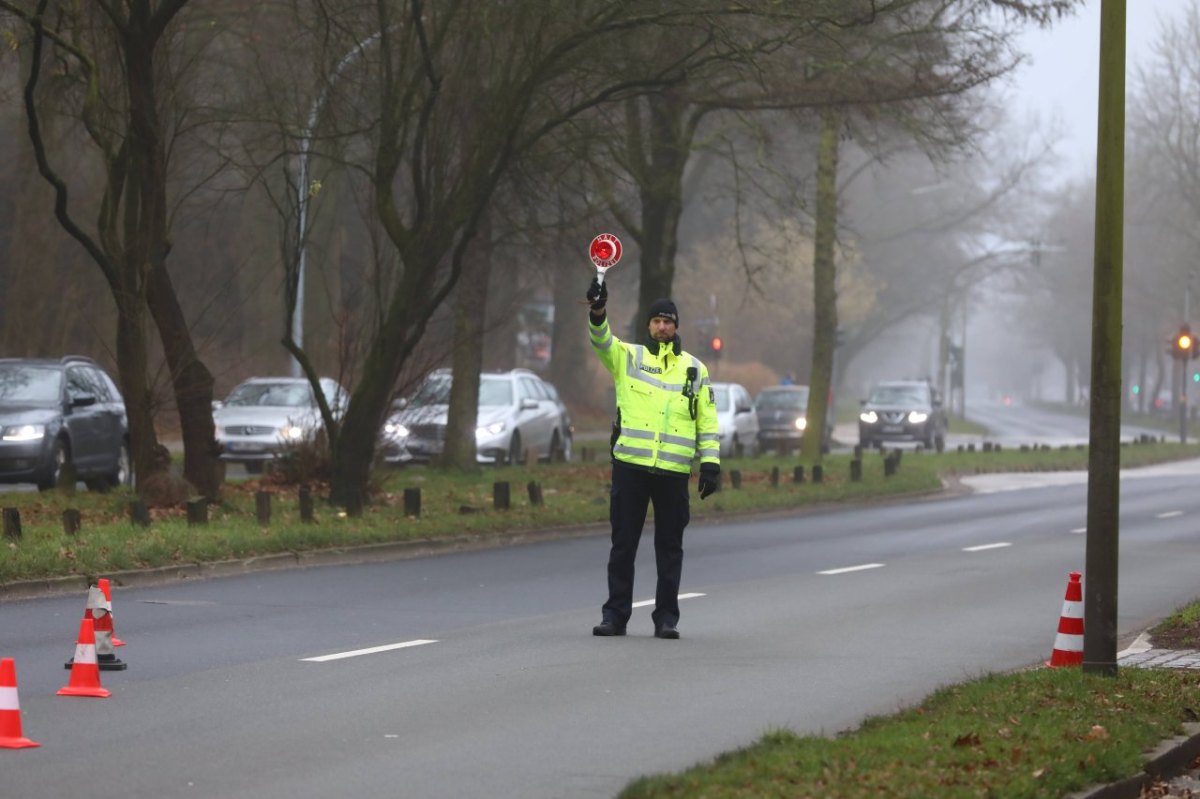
666 630
608 628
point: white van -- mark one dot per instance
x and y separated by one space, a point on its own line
737 424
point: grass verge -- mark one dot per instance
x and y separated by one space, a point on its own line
1041 733
456 505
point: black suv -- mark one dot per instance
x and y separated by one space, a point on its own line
902 410
55 412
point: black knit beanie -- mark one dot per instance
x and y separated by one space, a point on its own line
664 308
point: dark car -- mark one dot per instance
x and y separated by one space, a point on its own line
55 412
783 418
902 410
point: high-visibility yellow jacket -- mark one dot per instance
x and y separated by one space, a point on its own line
657 428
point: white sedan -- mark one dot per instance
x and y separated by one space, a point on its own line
263 416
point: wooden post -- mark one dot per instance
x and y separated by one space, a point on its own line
72 521
735 479
889 466
500 496
262 508
412 502
306 505
798 474
12 523
818 473
138 514
197 512
585 454
535 493
855 470
775 476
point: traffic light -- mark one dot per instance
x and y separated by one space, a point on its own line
1183 344
714 346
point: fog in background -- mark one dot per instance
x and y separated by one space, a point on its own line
990 251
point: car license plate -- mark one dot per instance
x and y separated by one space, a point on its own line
893 428
243 446
774 433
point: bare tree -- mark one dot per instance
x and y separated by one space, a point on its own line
110 65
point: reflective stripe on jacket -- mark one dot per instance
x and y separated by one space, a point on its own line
657 428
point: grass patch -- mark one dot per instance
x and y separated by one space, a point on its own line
1180 630
1042 733
455 505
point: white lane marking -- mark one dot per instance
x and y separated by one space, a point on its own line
1079 530
982 547
1139 645
853 568
368 651
1171 514
645 603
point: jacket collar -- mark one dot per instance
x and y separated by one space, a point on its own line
653 346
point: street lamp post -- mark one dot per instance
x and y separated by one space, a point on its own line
304 192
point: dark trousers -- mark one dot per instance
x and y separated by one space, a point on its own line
632 492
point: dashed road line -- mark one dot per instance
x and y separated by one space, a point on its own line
849 569
1170 514
368 651
648 602
1079 530
982 547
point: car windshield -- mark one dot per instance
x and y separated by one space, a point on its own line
721 395
272 395
19 383
795 398
899 395
495 391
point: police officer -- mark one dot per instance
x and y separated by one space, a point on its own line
666 416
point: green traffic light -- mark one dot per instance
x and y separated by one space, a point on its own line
1196 377
1137 389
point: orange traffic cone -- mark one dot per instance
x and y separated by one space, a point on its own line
103 583
10 709
85 675
1068 644
97 611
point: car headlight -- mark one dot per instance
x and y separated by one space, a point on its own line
801 423
870 417
292 432
916 417
23 432
493 429
396 430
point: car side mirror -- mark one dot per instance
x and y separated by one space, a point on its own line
217 405
83 400
400 404
529 404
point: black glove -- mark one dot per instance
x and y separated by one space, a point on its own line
597 294
710 479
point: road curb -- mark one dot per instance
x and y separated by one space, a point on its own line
1169 759
392 550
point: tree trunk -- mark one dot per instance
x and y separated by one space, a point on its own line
192 383
568 342
824 289
132 372
660 180
469 321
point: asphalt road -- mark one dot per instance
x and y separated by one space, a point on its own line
809 622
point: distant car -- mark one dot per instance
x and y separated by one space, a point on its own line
903 410
783 418
737 424
263 416
517 411
55 412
